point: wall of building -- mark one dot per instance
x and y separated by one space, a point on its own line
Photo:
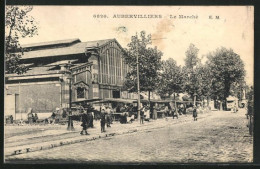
94 59
112 69
43 97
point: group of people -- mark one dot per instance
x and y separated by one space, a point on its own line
145 114
182 110
32 118
106 117
88 116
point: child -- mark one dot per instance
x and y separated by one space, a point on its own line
195 113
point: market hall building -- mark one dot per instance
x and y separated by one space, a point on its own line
93 70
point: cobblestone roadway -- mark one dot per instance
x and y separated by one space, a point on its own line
222 137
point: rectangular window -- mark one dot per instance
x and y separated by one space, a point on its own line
116 94
80 93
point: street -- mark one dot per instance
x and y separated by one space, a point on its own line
220 136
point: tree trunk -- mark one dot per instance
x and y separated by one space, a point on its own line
227 88
207 100
149 98
174 100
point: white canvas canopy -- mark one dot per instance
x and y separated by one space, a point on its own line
232 98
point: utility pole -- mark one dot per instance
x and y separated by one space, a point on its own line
138 82
138 79
194 99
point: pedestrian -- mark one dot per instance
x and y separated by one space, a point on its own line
155 112
84 123
90 118
174 113
147 113
31 118
142 116
195 114
11 119
184 109
166 111
35 117
108 116
103 120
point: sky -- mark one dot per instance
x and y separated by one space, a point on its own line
234 28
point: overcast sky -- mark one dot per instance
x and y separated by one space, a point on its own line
233 29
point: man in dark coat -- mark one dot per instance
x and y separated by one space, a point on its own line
142 116
108 116
103 121
90 117
84 123
35 117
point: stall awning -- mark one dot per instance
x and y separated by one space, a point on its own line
119 100
115 100
188 101
154 101
231 98
85 101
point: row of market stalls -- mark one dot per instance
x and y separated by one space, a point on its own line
162 106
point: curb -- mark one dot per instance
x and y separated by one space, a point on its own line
62 143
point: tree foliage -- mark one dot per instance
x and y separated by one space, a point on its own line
192 59
149 63
193 72
170 78
250 93
226 68
18 24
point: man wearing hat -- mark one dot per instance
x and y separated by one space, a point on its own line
103 120
84 123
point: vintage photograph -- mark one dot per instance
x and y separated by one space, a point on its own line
129 84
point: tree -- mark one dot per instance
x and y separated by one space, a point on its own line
192 59
250 93
192 72
17 24
237 89
226 68
149 64
206 84
170 78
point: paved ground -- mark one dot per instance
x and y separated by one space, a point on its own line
215 137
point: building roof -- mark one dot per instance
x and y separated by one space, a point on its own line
58 42
76 48
38 71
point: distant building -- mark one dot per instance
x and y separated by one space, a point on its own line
95 69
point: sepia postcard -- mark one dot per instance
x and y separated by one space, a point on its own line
129 84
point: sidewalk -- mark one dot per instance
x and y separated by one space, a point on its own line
50 136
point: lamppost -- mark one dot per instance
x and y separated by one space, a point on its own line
70 122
